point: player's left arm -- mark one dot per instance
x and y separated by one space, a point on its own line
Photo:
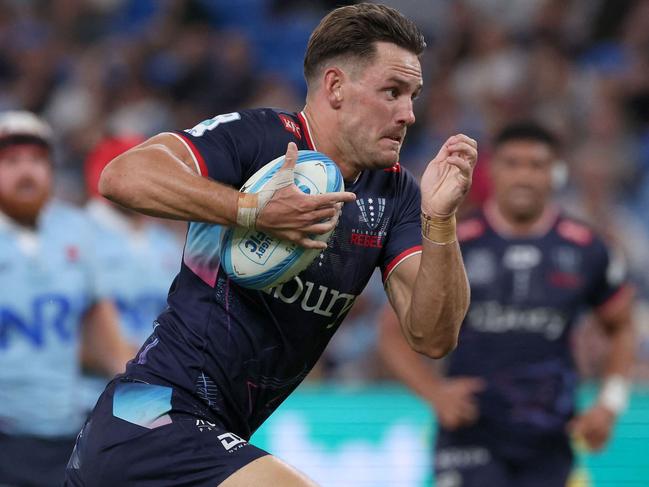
595 425
430 292
103 347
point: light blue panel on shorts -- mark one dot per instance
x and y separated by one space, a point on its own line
146 405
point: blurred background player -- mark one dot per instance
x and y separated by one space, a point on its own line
51 310
506 407
137 257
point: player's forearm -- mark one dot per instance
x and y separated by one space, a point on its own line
103 347
621 352
440 298
153 181
406 365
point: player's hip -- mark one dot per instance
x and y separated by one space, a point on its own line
147 434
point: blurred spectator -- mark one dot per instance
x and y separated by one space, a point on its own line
52 309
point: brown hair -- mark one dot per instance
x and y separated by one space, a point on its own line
353 31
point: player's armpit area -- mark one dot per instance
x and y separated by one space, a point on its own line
267 471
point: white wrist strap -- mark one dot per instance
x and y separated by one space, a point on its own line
250 205
614 394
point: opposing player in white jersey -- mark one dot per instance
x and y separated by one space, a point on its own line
48 288
137 257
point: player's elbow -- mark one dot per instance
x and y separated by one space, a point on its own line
437 348
114 183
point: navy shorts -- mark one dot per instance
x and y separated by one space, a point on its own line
33 462
143 435
464 462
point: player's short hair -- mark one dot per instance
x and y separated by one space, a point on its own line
526 130
353 31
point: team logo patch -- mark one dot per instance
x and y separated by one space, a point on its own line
371 211
372 229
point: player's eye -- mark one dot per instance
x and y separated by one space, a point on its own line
393 93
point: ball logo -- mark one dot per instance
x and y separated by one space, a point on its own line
258 247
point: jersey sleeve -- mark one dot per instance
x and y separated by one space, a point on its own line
404 236
225 148
610 275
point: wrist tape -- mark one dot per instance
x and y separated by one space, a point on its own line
250 205
440 231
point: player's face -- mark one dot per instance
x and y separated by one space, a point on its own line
25 181
521 173
378 107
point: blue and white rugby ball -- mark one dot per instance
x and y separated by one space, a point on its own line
256 260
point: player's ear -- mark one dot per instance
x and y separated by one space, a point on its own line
333 82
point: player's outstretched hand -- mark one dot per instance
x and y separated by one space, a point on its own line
294 216
448 176
594 427
455 403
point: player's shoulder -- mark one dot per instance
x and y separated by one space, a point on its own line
471 227
59 212
271 119
571 229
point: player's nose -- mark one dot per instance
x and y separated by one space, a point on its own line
406 114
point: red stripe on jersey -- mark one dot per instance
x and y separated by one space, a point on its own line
395 168
400 258
305 129
197 155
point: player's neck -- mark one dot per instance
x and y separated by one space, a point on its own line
509 226
318 126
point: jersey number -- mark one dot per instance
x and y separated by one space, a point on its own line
212 123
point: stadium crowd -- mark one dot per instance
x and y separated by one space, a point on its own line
96 69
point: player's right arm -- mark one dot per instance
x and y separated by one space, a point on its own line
159 178
452 399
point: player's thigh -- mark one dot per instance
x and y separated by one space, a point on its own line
267 471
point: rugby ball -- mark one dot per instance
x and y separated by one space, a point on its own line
255 259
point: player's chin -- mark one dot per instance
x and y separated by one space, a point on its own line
386 158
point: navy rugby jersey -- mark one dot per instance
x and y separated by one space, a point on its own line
242 352
526 295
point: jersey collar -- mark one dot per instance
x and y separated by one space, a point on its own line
502 227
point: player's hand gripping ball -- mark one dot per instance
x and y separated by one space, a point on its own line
255 259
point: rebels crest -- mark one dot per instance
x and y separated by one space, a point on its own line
371 210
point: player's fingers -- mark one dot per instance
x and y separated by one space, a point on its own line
323 227
330 199
468 140
465 150
474 384
291 156
317 216
462 164
309 243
